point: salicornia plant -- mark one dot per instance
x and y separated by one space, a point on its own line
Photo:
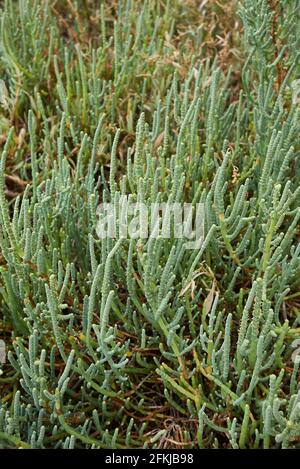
136 341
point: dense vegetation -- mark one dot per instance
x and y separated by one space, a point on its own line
141 343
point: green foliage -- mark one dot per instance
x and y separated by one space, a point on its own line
116 343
